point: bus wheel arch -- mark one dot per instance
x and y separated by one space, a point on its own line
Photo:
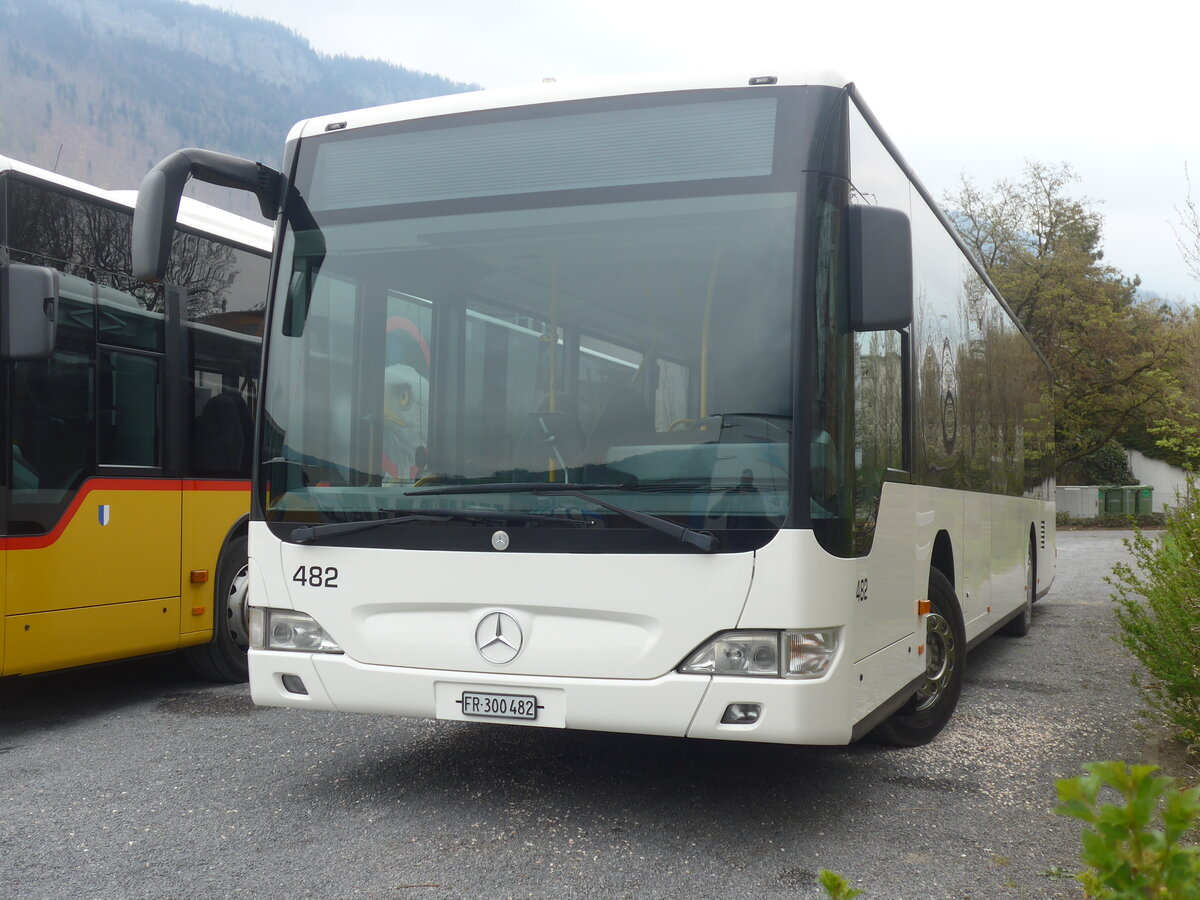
224 657
942 558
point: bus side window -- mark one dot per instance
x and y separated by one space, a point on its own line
878 425
130 394
225 317
224 435
129 400
53 417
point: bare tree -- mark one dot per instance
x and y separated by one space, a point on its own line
1187 233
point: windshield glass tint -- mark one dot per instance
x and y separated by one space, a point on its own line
679 142
642 348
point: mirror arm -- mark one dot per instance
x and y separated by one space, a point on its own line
161 190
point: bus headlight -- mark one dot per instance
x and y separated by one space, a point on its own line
809 654
282 629
737 653
777 654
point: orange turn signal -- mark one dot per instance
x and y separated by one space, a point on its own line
923 607
199 576
197 610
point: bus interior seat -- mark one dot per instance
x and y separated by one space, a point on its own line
224 439
624 419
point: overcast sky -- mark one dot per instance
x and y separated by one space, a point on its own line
968 87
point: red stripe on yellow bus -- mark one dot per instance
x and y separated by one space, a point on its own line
38 541
216 485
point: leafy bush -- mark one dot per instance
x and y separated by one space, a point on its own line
1127 858
1156 520
1108 465
1158 608
837 887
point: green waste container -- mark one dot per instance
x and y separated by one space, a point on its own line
1143 500
1120 501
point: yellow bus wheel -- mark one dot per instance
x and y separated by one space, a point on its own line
224 657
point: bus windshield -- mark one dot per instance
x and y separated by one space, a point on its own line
638 341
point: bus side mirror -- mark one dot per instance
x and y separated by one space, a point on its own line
28 311
158 200
880 259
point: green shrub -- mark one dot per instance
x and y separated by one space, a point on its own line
1156 520
1108 465
1127 857
837 887
1158 608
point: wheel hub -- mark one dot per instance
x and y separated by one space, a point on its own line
237 609
941 656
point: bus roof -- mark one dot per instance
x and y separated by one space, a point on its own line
553 91
193 213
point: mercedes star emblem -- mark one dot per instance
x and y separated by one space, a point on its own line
500 540
498 638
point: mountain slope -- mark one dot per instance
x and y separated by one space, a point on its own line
103 89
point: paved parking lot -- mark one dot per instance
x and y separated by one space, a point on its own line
136 781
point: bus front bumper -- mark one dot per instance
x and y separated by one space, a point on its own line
793 711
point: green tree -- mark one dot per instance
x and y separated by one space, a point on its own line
1157 604
1117 361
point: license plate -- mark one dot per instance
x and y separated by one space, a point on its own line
499 706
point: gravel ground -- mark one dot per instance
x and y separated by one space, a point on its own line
135 781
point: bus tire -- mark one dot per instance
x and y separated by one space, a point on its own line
926 714
224 657
1019 627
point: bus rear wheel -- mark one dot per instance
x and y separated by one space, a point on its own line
1019 627
224 657
930 708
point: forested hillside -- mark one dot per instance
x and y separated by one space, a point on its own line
103 89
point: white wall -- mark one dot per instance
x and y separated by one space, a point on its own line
1078 502
1163 477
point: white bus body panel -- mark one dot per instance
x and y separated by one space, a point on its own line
580 615
603 634
612 639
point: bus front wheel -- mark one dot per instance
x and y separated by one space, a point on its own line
930 708
224 657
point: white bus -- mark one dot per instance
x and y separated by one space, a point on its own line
671 407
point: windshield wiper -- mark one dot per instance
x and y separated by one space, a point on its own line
510 487
306 533
701 540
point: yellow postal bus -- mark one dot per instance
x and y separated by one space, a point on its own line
127 451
